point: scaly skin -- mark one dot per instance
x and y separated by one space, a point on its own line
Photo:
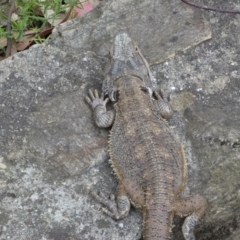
145 154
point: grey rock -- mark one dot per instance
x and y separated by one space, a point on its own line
51 151
160 28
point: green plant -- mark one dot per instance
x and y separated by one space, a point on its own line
30 18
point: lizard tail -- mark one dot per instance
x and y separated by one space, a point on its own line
157 222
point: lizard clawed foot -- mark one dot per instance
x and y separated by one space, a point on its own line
162 103
115 208
94 100
160 95
102 117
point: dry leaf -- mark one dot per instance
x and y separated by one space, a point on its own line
21 45
14 17
54 19
3 42
29 32
45 32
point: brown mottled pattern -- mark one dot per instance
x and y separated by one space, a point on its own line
146 156
144 151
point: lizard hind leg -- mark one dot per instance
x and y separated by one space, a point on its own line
193 207
116 208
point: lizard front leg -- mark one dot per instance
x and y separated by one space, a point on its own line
116 208
193 207
102 117
162 104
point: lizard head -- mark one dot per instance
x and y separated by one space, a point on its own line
126 59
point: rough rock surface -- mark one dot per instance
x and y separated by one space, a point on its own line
50 149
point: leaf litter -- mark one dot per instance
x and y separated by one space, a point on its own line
44 20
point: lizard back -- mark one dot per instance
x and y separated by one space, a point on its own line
145 155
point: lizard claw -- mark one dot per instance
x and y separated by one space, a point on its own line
94 100
162 103
162 95
116 208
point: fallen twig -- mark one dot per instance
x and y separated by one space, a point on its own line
9 37
210 8
3 2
